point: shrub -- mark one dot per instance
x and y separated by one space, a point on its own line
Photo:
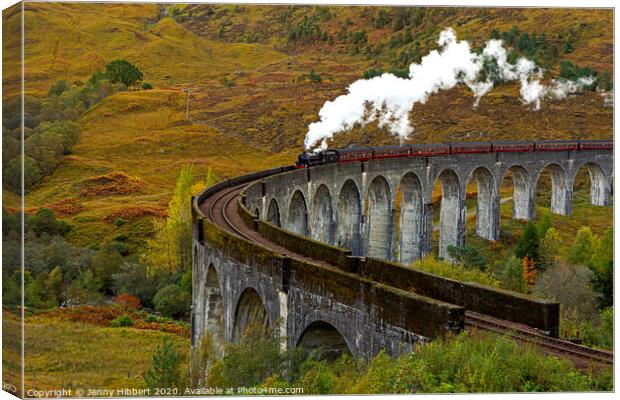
601 334
314 77
127 301
454 271
44 222
147 86
254 358
172 301
119 222
569 284
469 256
122 321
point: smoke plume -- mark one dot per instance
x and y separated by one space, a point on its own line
389 99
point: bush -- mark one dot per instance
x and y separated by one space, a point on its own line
172 301
147 86
314 77
118 222
469 256
127 301
454 271
569 284
122 321
133 278
601 334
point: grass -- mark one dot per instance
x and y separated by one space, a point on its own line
71 355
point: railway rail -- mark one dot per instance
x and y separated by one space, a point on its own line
583 357
221 208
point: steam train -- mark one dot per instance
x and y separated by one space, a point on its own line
351 154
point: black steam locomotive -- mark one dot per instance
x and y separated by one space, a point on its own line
351 154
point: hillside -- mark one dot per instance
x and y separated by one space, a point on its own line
253 73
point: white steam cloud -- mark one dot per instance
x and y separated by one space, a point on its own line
388 99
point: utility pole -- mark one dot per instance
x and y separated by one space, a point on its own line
187 104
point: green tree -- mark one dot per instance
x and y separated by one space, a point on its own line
211 178
172 301
53 286
528 243
165 371
511 275
134 278
469 256
58 88
170 249
123 71
44 221
603 285
543 225
583 247
549 249
12 173
604 252
105 263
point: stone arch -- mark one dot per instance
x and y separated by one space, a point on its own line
349 210
561 191
411 220
523 207
379 217
250 312
214 310
322 216
273 213
297 220
323 337
600 190
452 212
487 204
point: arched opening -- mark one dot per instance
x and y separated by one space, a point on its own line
273 213
451 223
322 216
250 312
485 207
591 175
256 212
298 214
410 219
379 219
555 178
349 218
517 181
324 338
214 310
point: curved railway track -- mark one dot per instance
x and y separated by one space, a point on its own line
221 208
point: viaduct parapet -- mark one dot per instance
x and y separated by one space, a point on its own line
319 252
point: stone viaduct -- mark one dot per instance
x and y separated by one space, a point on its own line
319 252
